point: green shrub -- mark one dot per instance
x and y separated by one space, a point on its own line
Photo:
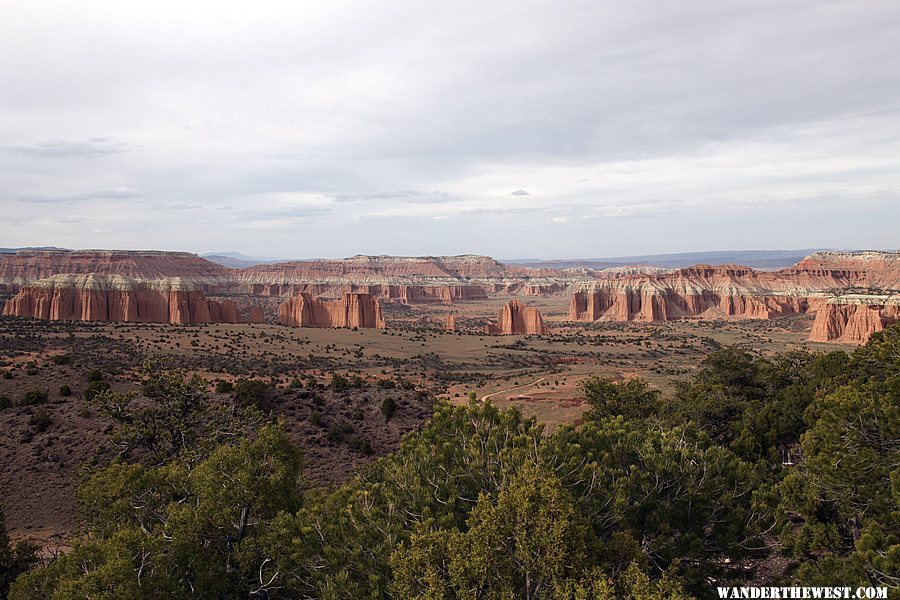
338 430
338 383
32 397
65 390
361 445
95 375
61 359
5 401
388 407
252 392
224 387
40 420
94 388
315 417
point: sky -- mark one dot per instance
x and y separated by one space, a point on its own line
526 129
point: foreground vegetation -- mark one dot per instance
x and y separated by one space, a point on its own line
794 457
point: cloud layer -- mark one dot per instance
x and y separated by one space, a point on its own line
519 130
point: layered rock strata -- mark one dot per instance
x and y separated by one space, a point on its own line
353 310
445 279
853 319
517 319
118 298
29 266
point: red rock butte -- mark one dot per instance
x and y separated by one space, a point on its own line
118 298
852 293
353 310
517 319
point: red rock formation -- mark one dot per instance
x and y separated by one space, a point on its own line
853 319
28 266
353 310
450 323
405 279
102 298
702 290
517 319
256 315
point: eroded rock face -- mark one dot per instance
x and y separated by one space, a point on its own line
353 310
517 319
29 266
445 279
450 323
853 319
118 298
731 291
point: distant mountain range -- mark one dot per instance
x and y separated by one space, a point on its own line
757 259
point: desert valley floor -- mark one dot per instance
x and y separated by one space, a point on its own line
539 374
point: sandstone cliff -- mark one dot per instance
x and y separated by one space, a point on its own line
852 319
353 310
444 279
29 266
732 291
118 298
517 319
450 323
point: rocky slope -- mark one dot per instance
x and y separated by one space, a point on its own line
517 319
353 310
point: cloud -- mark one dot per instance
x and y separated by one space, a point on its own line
92 147
120 192
411 196
691 126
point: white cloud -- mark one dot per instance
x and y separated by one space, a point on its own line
402 126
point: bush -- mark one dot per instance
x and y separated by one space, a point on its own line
61 359
94 388
253 392
5 402
32 397
224 387
361 445
8 375
40 420
65 390
31 371
315 417
95 375
388 407
337 431
338 383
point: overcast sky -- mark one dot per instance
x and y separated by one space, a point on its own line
516 129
